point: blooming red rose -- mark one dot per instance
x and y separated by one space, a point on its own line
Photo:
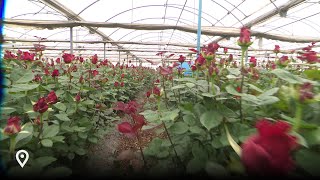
37 78
46 71
122 76
122 84
94 73
283 61
13 126
9 55
200 60
41 105
67 58
116 84
276 49
309 56
212 48
245 36
52 98
55 73
268 152
181 58
27 56
94 59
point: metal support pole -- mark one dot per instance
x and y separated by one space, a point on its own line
71 40
104 51
119 58
199 27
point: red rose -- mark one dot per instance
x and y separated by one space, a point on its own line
27 56
94 73
225 50
55 73
41 105
122 84
148 94
212 48
122 76
67 58
156 91
58 60
46 71
13 126
276 49
78 97
81 80
94 59
268 152
52 98
245 36
37 78
253 61
230 57
81 59
200 60
193 68
181 59
116 84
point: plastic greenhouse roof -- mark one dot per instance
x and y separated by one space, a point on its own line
299 20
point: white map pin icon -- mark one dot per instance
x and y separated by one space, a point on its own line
22 157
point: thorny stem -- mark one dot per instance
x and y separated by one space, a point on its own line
164 91
41 127
12 145
242 79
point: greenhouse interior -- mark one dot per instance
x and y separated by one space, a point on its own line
160 88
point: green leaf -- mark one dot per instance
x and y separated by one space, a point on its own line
207 94
231 90
180 86
62 117
189 119
234 71
47 142
287 76
60 106
269 92
197 130
170 115
88 102
25 135
80 151
44 161
309 161
57 139
251 86
50 131
211 119
215 170
22 87
190 85
312 136
179 128
93 140
232 142
199 152
8 110
313 74
27 77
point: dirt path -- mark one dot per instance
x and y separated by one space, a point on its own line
102 157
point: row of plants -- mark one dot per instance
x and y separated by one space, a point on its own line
55 109
255 118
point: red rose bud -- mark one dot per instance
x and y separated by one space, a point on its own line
81 80
52 98
122 84
67 58
122 76
158 81
116 84
129 61
225 50
193 68
55 73
268 152
230 57
58 60
27 56
276 49
283 61
13 126
200 60
41 105
78 98
94 59
121 67
181 59
148 94
37 121
156 90
81 59
37 78
253 61
245 36
212 48
306 92
46 71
